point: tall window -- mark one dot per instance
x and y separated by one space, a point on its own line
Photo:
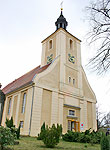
71 44
21 124
23 103
50 44
73 81
69 79
9 106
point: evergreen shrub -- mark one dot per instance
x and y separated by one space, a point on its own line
83 137
6 137
105 145
9 123
42 132
15 131
71 136
18 132
52 135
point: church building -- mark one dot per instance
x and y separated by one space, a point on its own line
57 91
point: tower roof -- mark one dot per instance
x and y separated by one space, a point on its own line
61 22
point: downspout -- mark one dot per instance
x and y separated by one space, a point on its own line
31 110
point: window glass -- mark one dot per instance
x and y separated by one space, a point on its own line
69 79
50 44
23 103
73 81
9 106
71 112
69 125
71 44
21 124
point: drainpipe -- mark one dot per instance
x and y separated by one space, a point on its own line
31 110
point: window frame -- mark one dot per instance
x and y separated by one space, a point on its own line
73 81
9 105
69 79
71 44
51 40
23 103
21 124
71 112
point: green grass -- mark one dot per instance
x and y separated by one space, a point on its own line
30 143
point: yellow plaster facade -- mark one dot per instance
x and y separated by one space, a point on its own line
60 94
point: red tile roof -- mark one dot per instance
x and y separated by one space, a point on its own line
24 80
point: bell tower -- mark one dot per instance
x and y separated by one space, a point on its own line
52 45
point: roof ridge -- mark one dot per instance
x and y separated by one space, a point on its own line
24 79
20 77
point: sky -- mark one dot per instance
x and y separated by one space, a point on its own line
25 23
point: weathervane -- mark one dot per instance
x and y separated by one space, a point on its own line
61 5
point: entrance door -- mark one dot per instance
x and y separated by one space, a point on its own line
77 126
73 126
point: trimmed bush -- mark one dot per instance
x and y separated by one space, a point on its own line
87 132
42 133
82 137
71 136
51 136
95 137
15 131
105 143
18 132
9 123
59 129
6 137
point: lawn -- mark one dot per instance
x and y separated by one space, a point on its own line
30 143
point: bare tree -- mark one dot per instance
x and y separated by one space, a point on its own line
99 116
103 119
99 34
107 120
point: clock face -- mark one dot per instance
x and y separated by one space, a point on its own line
71 58
49 58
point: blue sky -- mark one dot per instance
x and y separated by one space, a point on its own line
25 23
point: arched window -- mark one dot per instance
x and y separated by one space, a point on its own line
73 81
69 79
50 44
23 103
71 44
9 106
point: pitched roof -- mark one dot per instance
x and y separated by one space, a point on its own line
57 31
24 80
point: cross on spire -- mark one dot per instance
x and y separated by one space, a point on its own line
61 5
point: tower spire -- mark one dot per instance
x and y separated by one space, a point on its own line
61 21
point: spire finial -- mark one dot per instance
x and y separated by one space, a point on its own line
61 5
61 21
